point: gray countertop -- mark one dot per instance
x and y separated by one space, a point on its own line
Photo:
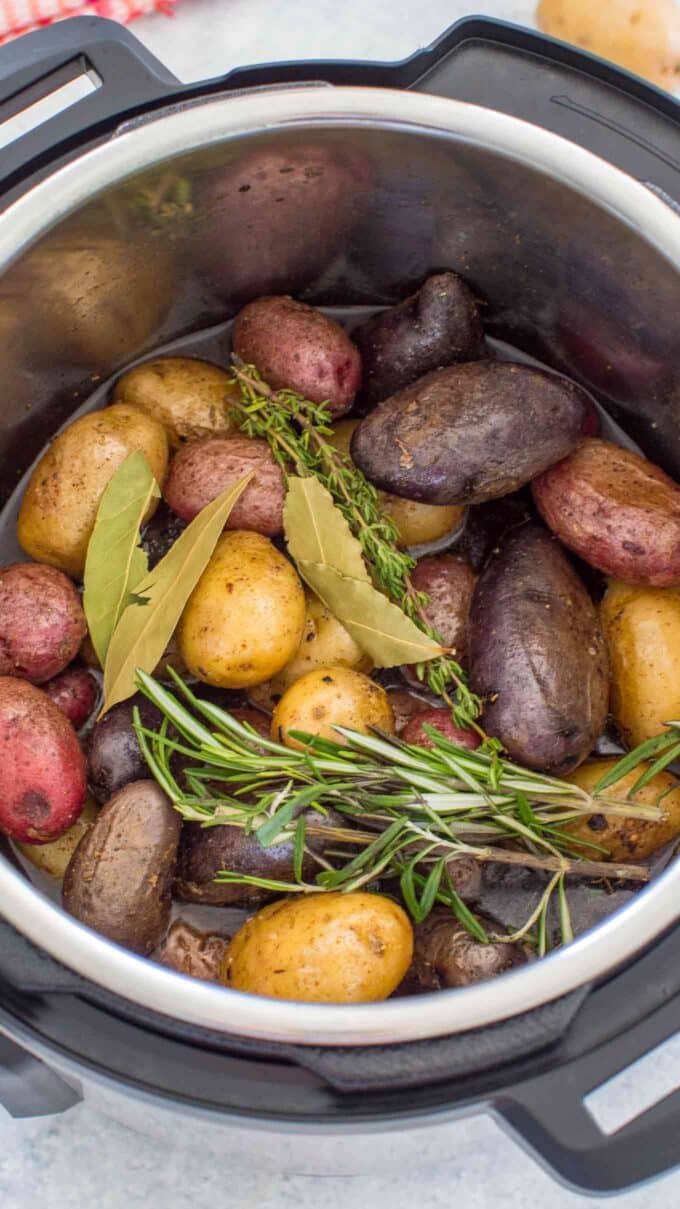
82 1160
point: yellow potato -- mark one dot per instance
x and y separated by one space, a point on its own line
322 948
244 619
642 35
642 630
324 641
60 504
418 524
189 398
329 697
626 839
54 857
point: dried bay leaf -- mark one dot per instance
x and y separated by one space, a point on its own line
115 561
380 627
144 630
317 532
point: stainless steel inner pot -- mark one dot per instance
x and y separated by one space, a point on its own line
576 263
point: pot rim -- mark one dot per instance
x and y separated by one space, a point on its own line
140 145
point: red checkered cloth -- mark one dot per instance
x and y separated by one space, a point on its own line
20 16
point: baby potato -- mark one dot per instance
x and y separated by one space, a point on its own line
53 858
330 697
418 524
202 470
642 630
641 35
190 398
60 504
626 839
324 641
322 948
244 619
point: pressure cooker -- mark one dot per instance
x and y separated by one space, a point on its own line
551 181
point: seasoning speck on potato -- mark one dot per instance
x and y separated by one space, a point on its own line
322 948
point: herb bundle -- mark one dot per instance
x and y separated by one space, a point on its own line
297 431
411 811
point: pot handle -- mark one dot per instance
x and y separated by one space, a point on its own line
28 1088
618 116
122 74
489 63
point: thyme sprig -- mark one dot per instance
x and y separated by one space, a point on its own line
297 431
411 811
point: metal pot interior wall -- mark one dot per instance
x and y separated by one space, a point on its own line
336 216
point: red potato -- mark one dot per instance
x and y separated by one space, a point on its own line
616 510
297 348
441 720
404 706
203 469
75 691
42 768
449 582
42 623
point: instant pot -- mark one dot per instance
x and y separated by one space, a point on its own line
550 180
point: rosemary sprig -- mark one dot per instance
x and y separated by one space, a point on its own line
411 811
297 431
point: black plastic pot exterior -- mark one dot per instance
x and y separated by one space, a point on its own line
535 1068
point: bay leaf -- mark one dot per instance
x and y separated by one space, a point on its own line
317 532
115 561
380 627
144 630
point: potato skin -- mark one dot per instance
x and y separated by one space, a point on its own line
114 758
189 951
75 691
436 326
42 768
417 524
616 510
642 629
329 697
119 879
296 347
325 641
190 398
42 623
449 582
446 955
442 721
537 654
322 948
404 705
60 504
203 469
626 839
204 851
244 619
459 435
54 857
